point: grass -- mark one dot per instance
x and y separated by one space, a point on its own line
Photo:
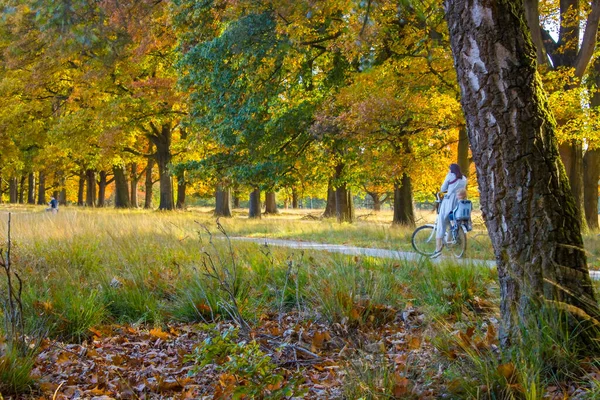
86 268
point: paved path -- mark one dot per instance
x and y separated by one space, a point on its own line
370 252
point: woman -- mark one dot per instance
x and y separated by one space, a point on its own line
454 181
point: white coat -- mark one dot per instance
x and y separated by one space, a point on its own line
451 185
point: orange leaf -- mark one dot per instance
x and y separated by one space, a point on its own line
414 343
157 332
508 371
400 388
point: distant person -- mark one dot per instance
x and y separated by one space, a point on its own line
53 205
454 182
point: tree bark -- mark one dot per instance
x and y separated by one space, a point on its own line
162 140
571 154
13 195
31 188
530 212
149 184
41 198
294 198
90 193
403 202
102 183
81 188
254 206
133 196
181 188
270 203
121 187
376 197
591 166
22 189
330 207
222 202
344 204
463 151
236 199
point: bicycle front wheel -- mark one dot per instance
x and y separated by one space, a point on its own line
459 243
423 240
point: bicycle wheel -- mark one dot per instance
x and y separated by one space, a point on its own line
458 244
423 240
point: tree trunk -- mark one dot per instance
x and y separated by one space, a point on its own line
41 198
22 189
121 187
463 151
31 188
344 205
90 193
591 166
133 196
102 183
236 199
571 154
13 191
61 196
162 140
294 198
403 202
270 203
81 188
376 201
181 187
1 190
330 207
222 202
254 206
530 212
149 184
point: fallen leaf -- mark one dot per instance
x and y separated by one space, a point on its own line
158 333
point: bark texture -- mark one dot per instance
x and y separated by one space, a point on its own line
135 179
591 166
121 187
41 198
90 194
270 203
31 188
530 212
254 204
463 151
149 184
161 138
222 202
403 202
13 194
81 188
330 207
102 183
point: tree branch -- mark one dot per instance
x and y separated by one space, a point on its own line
588 43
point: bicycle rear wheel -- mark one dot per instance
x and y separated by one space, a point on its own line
423 240
459 243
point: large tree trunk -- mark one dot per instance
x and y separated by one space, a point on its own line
102 183
236 199
222 202
294 198
571 154
149 184
22 189
330 206
61 196
254 206
135 178
13 190
31 188
530 212
591 166
41 198
162 140
344 204
81 188
463 151
121 187
270 203
90 193
376 197
403 202
181 188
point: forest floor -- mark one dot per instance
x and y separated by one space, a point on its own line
142 305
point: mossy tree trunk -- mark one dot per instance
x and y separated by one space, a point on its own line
526 200
254 204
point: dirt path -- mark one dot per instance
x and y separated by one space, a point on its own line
370 252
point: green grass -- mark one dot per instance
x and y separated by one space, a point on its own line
86 268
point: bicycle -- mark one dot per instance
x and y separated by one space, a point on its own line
423 238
